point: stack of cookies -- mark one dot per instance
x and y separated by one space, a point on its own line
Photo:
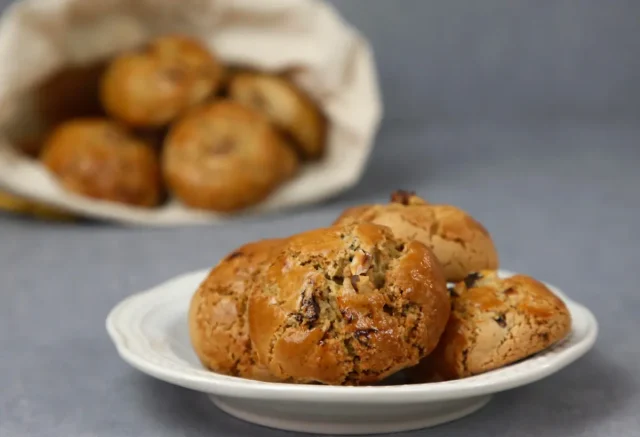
173 119
386 288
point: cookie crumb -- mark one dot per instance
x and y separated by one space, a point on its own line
500 320
347 315
471 279
309 309
354 282
452 291
401 196
363 335
361 263
233 255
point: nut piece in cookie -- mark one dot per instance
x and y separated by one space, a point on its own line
152 87
347 305
224 156
494 322
286 105
407 198
460 242
98 158
218 324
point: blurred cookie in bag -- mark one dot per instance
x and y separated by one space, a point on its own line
494 322
98 158
224 156
218 323
152 87
286 105
461 243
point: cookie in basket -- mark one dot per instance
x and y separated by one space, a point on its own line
218 324
98 158
152 87
461 243
494 322
224 156
286 105
347 306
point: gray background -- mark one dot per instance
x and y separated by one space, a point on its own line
525 113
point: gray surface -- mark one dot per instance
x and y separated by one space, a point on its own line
539 143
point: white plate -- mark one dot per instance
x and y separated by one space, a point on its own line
150 332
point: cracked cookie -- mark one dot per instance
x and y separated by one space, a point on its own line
218 324
494 322
98 158
286 106
347 305
224 156
460 242
154 85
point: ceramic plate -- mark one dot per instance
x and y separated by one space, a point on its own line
150 332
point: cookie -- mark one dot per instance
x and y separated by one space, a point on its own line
347 306
286 105
460 242
98 158
494 322
224 157
152 87
218 324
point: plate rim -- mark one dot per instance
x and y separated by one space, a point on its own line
222 385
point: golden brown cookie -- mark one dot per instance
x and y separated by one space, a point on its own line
218 323
286 105
152 87
347 305
98 158
460 242
224 156
494 322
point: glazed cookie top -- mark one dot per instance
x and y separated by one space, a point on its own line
348 305
497 321
461 243
217 317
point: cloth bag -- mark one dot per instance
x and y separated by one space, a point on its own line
325 56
